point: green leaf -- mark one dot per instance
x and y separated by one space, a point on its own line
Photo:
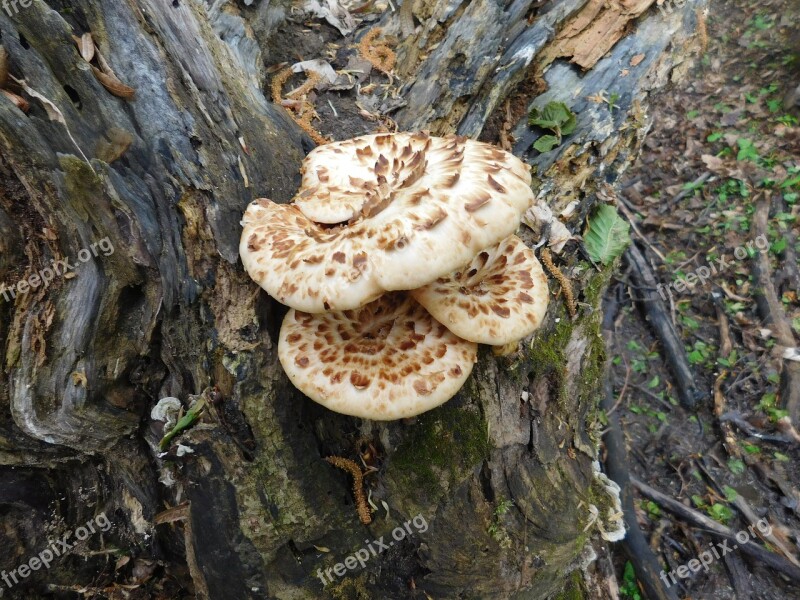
736 466
184 423
717 135
696 357
781 457
778 246
607 235
555 116
546 143
747 151
653 382
720 513
790 182
730 493
629 587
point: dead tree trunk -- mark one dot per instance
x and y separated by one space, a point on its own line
164 177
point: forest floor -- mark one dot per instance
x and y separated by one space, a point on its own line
722 143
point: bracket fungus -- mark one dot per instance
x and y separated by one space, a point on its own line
499 298
424 214
388 360
383 227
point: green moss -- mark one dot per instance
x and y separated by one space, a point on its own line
443 446
573 590
350 588
547 349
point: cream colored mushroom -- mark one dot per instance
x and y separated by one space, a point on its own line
431 205
499 298
387 360
345 180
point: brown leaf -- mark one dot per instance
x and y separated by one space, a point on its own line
21 103
3 67
170 515
86 47
636 60
113 85
117 143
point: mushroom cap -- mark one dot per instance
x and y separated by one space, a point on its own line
388 360
499 298
414 234
343 180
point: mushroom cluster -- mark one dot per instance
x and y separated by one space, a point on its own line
397 257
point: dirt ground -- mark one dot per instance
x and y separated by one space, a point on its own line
722 142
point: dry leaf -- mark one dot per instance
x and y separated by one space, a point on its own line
79 379
21 103
170 515
636 60
114 85
114 146
3 67
53 113
86 47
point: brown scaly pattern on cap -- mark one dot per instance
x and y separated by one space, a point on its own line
499 298
388 360
342 179
426 206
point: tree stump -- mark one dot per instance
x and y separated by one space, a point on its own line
502 475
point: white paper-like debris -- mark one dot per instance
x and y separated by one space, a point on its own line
791 354
327 75
569 210
333 12
184 450
167 411
538 217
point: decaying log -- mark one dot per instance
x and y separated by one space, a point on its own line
502 474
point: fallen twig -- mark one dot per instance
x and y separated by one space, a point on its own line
771 312
698 519
636 547
674 353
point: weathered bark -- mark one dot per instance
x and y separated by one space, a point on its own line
171 312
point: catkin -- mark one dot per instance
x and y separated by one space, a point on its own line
380 56
358 485
566 286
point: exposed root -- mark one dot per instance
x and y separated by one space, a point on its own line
358 485
566 286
